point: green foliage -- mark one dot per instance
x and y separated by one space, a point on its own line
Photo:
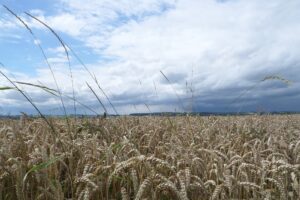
7 88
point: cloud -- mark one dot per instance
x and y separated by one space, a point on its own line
211 51
7 26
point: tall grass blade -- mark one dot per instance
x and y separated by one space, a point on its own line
98 85
45 58
55 93
35 85
31 102
93 77
178 97
266 78
7 88
40 166
276 77
65 49
104 108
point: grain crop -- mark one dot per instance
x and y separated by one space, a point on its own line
183 157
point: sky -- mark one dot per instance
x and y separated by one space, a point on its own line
152 55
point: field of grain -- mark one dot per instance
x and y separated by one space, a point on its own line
245 157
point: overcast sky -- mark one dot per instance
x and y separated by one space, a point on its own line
213 52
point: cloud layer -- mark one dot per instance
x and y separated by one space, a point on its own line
211 52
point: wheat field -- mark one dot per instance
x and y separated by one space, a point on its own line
187 157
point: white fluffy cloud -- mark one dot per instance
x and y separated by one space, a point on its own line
220 47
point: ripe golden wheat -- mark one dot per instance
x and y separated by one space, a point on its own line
188 158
